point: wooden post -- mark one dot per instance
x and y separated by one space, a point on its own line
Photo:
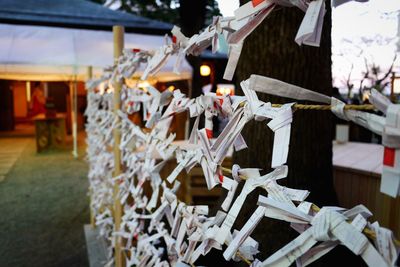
92 218
73 99
118 47
75 117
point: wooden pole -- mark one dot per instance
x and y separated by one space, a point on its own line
89 72
75 117
92 218
73 109
118 47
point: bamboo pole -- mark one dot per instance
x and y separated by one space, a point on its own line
75 117
73 109
92 218
118 32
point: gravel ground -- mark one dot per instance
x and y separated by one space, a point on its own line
43 207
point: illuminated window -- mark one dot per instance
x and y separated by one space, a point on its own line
225 89
396 85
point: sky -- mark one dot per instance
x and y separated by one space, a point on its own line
354 23
227 7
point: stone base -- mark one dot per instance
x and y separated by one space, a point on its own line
96 247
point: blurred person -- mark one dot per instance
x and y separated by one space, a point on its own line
38 100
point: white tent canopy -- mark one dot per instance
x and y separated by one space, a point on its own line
41 53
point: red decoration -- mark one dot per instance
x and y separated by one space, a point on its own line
209 133
221 178
389 156
256 2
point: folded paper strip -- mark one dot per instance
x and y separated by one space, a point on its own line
160 230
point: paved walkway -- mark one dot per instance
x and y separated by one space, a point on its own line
10 150
43 207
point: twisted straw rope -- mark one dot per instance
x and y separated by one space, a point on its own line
327 107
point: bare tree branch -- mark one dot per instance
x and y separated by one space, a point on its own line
379 81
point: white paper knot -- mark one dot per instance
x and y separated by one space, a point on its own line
391 133
235 172
379 101
321 223
337 107
329 222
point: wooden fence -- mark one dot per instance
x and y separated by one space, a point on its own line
355 187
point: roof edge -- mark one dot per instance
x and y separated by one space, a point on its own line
71 25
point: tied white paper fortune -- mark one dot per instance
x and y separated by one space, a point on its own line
387 126
159 58
250 184
192 232
310 29
280 123
327 225
233 29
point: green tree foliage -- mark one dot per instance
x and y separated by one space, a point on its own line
162 10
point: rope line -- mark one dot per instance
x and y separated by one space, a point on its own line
328 107
368 232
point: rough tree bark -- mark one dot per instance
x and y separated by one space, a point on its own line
192 17
271 51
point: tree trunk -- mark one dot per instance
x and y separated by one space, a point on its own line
192 18
271 51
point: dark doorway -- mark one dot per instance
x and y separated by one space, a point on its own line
7 122
58 93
